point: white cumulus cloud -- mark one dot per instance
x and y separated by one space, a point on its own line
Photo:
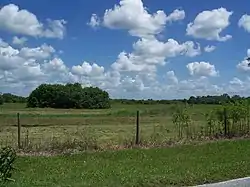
19 41
94 21
176 15
244 65
202 69
42 52
21 21
88 69
172 77
149 53
209 48
244 22
133 16
209 24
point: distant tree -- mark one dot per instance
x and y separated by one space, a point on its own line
11 98
1 99
68 96
95 98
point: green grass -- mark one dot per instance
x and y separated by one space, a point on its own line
109 126
177 166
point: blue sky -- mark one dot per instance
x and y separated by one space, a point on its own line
131 48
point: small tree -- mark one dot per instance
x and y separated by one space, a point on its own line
181 118
1 99
7 158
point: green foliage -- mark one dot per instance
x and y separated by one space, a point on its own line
1 99
181 118
7 158
209 99
188 165
68 96
10 98
231 119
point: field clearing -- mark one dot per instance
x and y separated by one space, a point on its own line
110 126
177 166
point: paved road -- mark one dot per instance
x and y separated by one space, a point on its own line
243 182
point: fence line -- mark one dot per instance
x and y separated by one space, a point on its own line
225 128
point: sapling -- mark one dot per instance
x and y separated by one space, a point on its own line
181 119
7 158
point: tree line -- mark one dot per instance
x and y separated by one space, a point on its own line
74 96
215 100
11 98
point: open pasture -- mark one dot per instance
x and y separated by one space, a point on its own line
114 126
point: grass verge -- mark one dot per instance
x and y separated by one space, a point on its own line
176 166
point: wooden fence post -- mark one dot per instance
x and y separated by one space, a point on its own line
225 123
248 119
137 138
18 131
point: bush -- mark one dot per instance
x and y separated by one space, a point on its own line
68 96
1 99
7 158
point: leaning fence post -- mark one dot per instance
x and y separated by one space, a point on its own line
225 122
137 139
18 131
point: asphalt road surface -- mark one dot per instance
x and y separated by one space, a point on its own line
243 182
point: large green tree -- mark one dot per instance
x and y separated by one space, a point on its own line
68 96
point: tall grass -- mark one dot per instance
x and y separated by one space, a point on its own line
160 125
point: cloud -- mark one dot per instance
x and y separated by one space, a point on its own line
19 41
94 21
130 84
26 68
87 69
202 69
244 64
2 43
236 81
176 15
56 29
21 70
134 74
20 74
237 86
21 21
42 52
172 77
149 53
133 16
9 58
209 25
209 48
244 22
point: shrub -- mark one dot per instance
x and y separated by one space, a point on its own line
68 96
7 158
182 120
1 99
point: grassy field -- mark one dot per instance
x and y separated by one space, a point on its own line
176 166
103 127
